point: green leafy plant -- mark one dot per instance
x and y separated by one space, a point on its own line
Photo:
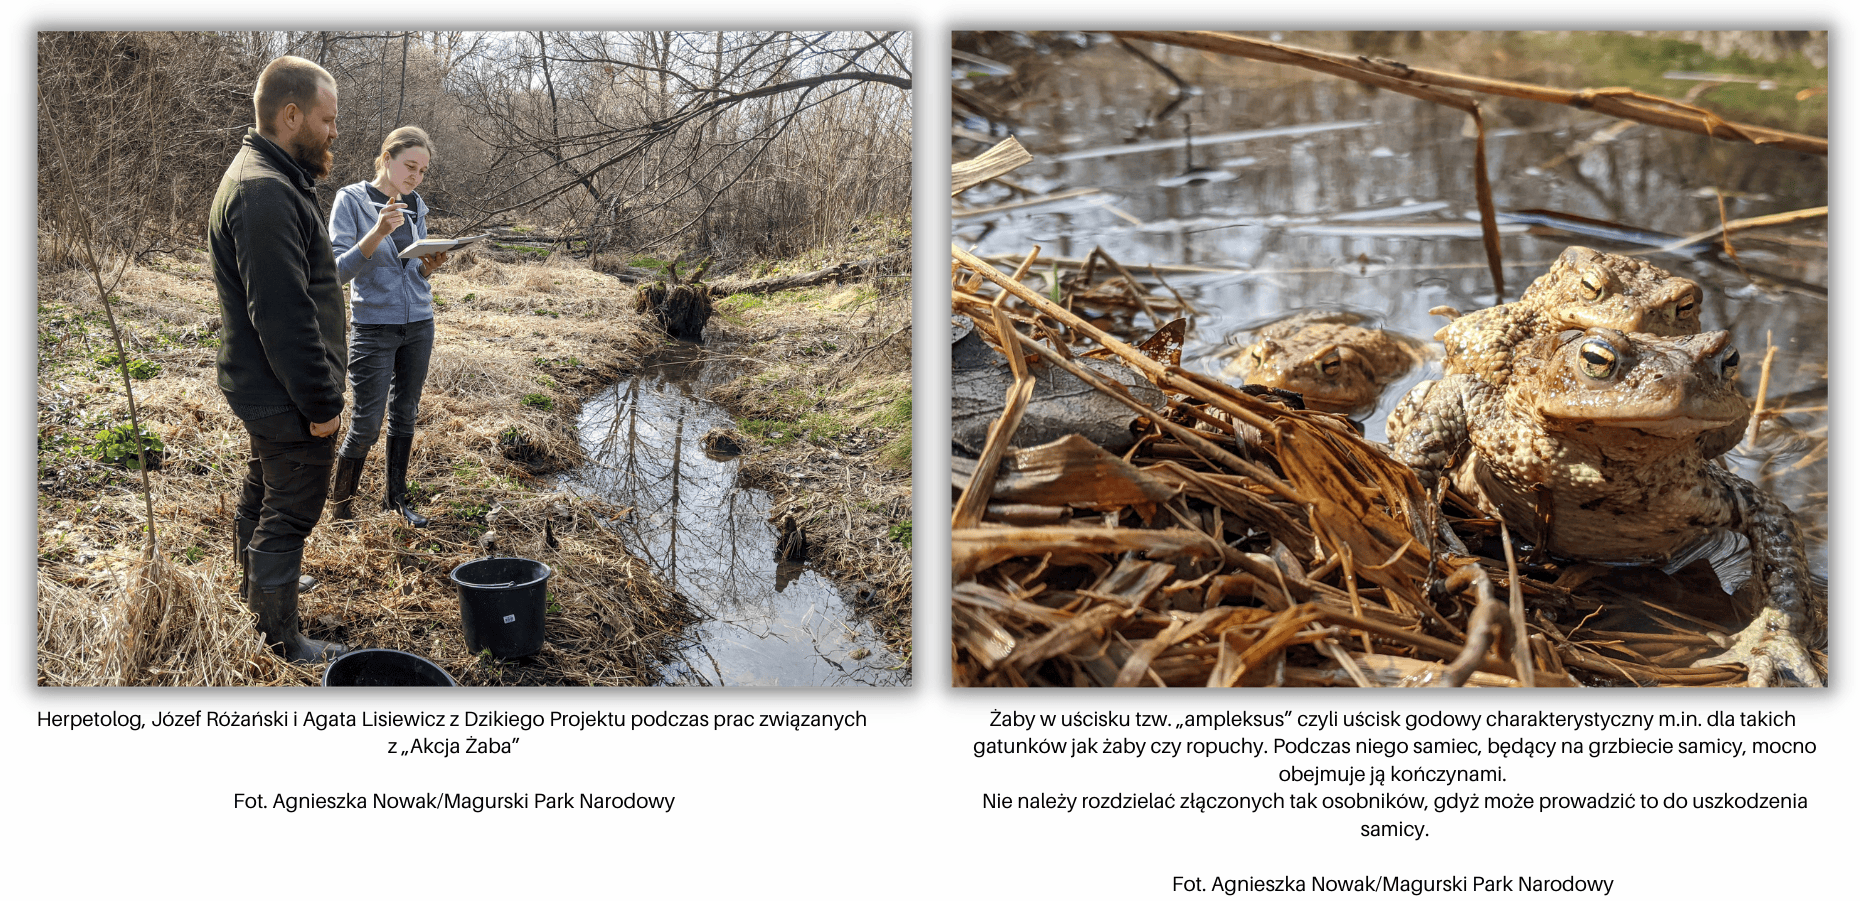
468 509
900 533
117 446
541 402
138 369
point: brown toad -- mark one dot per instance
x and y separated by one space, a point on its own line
1602 452
1328 357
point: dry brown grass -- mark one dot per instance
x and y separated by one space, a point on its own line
505 332
1244 543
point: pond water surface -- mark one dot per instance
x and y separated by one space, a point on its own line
766 622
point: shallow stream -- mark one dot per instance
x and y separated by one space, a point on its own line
766 623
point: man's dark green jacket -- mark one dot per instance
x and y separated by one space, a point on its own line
285 330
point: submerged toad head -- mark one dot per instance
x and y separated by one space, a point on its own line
1337 367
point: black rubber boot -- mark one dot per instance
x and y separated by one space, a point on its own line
243 529
242 535
398 450
271 593
342 490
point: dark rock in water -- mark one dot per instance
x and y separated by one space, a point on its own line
1061 404
723 443
682 310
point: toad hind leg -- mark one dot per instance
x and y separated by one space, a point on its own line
1772 646
1771 651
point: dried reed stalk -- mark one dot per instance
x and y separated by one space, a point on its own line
1618 102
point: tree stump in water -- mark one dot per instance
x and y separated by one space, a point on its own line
723 443
791 539
682 310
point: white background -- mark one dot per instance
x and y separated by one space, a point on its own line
893 809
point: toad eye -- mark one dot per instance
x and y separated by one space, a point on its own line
1332 363
1593 282
1729 368
1597 358
1688 307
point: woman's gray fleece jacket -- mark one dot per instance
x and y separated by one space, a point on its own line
384 289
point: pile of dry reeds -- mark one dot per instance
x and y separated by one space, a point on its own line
1241 542
516 346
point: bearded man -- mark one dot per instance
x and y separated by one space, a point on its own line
285 352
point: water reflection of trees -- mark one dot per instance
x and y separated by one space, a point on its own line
687 521
771 625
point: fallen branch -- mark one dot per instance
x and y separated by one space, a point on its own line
836 272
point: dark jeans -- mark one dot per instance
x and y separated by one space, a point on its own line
286 481
387 369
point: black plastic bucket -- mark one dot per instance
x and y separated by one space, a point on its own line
501 602
382 667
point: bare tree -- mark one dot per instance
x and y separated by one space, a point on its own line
641 125
729 143
100 143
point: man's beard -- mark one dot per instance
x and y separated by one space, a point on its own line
315 160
